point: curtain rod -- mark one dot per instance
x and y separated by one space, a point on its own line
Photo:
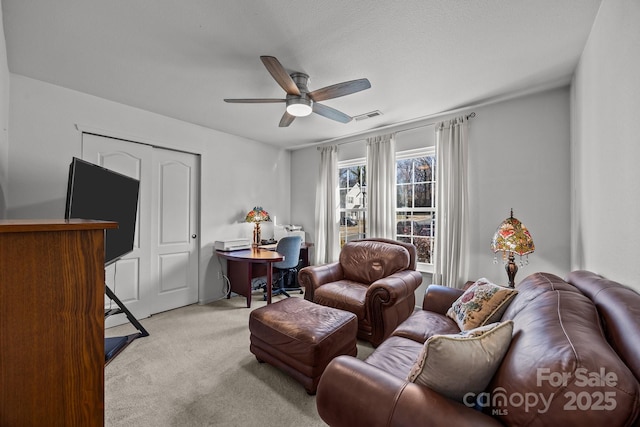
362 135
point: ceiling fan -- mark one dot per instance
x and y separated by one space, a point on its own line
300 102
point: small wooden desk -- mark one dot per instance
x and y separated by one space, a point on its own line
240 269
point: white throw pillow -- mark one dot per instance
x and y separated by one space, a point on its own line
457 364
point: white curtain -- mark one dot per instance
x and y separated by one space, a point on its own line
327 247
452 203
381 186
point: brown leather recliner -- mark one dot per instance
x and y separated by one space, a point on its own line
374 278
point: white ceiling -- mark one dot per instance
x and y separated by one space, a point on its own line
181 58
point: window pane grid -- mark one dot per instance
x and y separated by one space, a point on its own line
415 208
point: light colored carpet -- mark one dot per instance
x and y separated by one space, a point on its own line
195 369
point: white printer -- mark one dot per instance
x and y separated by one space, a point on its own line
232 245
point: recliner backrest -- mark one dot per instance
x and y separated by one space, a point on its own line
366 261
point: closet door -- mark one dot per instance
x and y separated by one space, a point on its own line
130 277
162 271
174 255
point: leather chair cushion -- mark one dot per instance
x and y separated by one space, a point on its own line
343 294
396 356
368 261
423 324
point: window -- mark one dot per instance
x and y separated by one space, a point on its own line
353 200
415 209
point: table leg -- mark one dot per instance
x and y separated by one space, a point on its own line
229 273
269 283
249 277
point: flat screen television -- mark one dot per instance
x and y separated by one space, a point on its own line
95 192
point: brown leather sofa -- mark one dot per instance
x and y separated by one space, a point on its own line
375 279
575 343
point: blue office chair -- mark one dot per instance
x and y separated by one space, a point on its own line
289 247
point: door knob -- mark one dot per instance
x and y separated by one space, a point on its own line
193 236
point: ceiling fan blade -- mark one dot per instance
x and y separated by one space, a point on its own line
254 100
286 120
331 113
280 75
339 89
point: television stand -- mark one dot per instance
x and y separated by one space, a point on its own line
114 345
51 322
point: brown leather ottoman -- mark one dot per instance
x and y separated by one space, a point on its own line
301 337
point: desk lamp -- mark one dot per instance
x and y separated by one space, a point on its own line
512 237
257 215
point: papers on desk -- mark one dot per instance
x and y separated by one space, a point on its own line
272 246
280 231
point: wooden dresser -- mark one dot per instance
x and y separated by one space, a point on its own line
52 322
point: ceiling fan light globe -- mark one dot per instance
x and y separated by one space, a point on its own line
299 107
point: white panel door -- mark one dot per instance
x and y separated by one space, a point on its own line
129 277
153 278
174 260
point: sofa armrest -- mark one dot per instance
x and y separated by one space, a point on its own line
312 277
354 393
439 298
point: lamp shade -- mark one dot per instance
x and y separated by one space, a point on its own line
257 214
512 237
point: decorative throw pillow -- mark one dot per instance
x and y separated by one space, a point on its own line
483 303
457 364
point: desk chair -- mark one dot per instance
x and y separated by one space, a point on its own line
289 247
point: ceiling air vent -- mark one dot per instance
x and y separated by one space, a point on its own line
369 115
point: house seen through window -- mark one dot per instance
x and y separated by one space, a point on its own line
353 189
415 209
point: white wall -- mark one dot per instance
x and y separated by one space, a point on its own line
518 158
606 146
4 118
236 173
